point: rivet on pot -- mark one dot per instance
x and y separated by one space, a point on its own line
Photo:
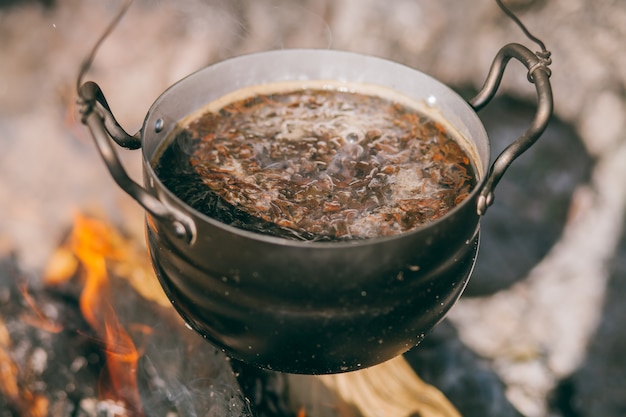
158 125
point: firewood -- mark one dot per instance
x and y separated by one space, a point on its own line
391 389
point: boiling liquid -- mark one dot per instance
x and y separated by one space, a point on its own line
317 164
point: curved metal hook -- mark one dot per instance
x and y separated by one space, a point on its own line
92 99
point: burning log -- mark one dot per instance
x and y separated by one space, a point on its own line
391 389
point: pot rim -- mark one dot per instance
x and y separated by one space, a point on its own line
481 166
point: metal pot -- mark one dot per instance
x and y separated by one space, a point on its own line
312 307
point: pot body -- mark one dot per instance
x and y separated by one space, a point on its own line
312 307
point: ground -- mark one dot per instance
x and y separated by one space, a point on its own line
542 313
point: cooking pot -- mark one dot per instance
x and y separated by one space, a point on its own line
312 307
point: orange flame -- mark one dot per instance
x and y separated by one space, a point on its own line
94 243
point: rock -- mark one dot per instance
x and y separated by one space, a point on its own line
596 388
445 362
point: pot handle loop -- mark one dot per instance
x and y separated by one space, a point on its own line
105 130
539 75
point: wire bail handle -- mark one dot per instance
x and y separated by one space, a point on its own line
97 115
104 128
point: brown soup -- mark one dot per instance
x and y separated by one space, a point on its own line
316 163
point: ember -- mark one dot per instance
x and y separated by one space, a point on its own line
317 164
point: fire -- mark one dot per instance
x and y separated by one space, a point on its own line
92 249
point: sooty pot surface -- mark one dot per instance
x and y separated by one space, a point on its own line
312 307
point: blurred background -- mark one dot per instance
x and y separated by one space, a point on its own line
538 332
